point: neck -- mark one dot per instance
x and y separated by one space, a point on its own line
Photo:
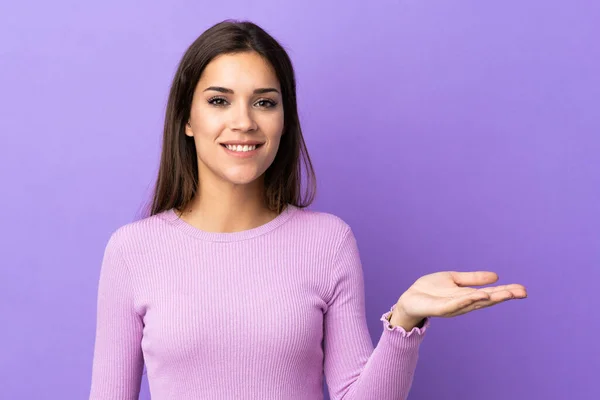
228 208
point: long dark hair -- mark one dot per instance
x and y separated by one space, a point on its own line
177 180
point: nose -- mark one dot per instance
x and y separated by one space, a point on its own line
242 119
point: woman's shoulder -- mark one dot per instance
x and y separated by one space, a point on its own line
321 222
138 231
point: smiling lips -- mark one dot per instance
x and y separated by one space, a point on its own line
240 149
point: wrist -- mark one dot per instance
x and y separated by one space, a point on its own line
400 318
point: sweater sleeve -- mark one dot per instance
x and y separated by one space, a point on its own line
118 361
354 370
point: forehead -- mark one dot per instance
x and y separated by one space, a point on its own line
239 70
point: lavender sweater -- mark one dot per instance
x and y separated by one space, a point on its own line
257 314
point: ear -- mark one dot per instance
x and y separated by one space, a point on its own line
188 129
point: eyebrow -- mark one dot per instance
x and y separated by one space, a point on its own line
227 90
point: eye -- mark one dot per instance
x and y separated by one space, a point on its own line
217 101
266 103
221 102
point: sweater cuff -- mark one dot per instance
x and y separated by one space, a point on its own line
414 331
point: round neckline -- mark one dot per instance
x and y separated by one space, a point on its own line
174 219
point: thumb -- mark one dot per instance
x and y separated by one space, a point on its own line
474 278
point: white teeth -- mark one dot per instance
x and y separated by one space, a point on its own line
239 147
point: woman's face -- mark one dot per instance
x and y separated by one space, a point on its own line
236 118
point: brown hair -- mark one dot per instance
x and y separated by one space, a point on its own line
177 180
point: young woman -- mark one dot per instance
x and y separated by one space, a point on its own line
231 288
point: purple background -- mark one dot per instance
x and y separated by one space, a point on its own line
449 134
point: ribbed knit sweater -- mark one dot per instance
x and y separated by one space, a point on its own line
264 313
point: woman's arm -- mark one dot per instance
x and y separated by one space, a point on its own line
118 361
353 368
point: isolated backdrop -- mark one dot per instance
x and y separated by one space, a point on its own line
449 134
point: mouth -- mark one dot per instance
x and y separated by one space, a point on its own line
242 151
239 148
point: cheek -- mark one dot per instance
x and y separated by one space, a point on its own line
274 143
209 125
205 136
273 127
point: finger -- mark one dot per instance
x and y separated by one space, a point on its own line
518 291
497 298
463 302
503 287
498 295
473 307
501 295
475 278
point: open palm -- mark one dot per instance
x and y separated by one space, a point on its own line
447 294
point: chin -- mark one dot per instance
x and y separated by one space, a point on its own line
242 178
241 182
